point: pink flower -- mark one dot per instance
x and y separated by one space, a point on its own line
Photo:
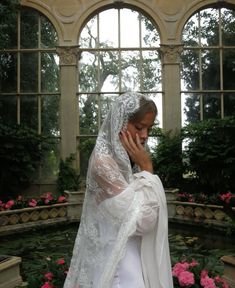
186 279
47 197
32 203
49 276
207 282
226 197
193 263
9 204
47 285
218 280
179 267
61 199
60 262
204 273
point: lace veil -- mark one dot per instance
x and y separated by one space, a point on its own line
111 206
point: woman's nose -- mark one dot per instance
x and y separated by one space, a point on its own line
144 134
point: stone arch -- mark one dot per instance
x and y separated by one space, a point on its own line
143 8
200 5
46 11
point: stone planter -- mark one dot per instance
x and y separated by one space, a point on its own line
229 270
187 212
10 272
27 218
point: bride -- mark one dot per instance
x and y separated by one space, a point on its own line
122 241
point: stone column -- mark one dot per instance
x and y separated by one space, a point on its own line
170 55
69 56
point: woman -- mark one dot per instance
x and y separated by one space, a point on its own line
122 240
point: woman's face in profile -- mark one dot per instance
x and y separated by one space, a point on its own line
141 127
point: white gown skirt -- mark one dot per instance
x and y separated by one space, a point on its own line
129 270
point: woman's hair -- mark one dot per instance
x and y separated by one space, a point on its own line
146 106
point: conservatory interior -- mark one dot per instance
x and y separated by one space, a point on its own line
63 64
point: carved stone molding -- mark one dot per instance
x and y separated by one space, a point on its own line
171 53
69 55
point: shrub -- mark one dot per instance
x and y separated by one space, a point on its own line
210 153
21 151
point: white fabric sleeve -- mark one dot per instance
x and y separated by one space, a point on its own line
117 196
148 215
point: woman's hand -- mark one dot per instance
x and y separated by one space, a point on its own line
136 151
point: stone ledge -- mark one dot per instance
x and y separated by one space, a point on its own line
10 272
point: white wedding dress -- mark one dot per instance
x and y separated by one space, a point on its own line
122 240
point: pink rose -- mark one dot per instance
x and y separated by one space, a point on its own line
207 282
179 267
32 203
60 262
9 204
218 280
226 197
193 263
49 276
186 279
204 273
61 199
47 285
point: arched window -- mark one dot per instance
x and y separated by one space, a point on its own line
29 74
119 53
208 65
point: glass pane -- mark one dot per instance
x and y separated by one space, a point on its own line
29 29
88 72
88 37
129 28
49 36
108 34
50 115
228 26
8 109
49 72
211 106
229 104
210 69
190 108
190 70
50 163
29 72
109 71
8 72
130 69
149 34
229 68
85 147
209 27
151 71
29 111
89 114
8 26
190 35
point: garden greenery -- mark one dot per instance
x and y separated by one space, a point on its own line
21 151
68 177
207 161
